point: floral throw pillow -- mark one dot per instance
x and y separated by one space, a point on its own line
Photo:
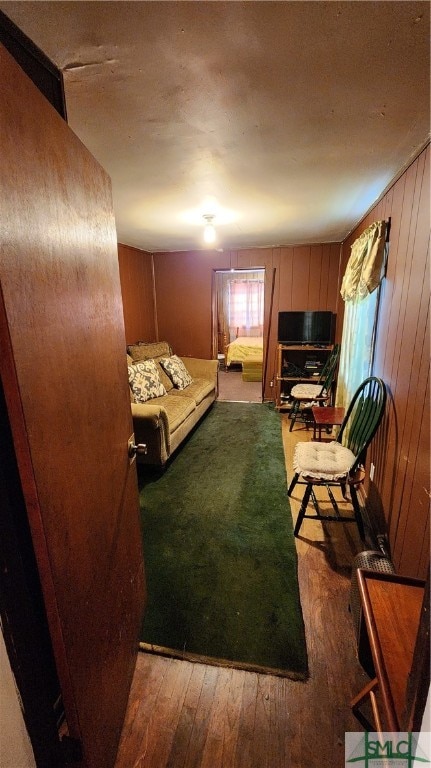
176 371
144 381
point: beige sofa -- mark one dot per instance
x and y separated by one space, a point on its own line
162 423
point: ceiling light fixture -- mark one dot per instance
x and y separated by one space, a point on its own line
209 231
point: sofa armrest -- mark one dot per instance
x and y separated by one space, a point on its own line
202 369
149 412
148 417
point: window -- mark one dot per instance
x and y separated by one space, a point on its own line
245 304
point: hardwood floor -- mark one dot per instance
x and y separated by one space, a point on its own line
187 715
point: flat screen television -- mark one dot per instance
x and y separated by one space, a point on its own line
313 328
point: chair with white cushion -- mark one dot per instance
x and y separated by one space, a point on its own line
305 395
340 463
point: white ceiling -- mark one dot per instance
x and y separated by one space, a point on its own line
289 118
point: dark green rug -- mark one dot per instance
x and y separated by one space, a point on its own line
219 550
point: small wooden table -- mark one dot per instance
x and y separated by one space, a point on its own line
392 608
326 417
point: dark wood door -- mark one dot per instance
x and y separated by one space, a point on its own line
64 376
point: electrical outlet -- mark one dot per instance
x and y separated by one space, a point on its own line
372 470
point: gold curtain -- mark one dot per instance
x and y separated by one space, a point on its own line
363 275
364 268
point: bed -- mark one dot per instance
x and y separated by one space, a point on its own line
243 348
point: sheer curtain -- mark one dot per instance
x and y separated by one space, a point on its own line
245 305
360 291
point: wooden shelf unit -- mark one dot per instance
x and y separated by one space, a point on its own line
297 356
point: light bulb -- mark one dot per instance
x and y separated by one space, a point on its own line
209 233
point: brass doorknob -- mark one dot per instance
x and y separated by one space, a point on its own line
133 449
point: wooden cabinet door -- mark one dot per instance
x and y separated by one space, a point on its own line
64 375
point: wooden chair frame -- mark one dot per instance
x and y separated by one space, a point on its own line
325 382
359 426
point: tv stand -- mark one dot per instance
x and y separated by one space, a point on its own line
303 345
297 363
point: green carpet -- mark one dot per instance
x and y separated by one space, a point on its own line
219 551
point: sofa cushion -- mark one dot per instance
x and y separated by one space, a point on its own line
176 371
147 350
144 381
197 390
130 362
140 352
164 378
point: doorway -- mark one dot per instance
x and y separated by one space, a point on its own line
238 332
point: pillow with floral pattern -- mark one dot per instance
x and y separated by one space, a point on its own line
144 381
177 371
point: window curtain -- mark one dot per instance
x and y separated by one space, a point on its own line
360 291
245 305
222 313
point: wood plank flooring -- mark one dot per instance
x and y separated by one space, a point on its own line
188 715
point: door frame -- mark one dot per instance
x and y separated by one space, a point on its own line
22 611
214 312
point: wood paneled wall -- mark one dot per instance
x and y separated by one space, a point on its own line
304 277
308 277
137 288
400 493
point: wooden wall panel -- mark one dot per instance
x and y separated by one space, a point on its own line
306 277
309 277
301 276
316 285
254 257
333 298
285 280
401 453
136 277
183 298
